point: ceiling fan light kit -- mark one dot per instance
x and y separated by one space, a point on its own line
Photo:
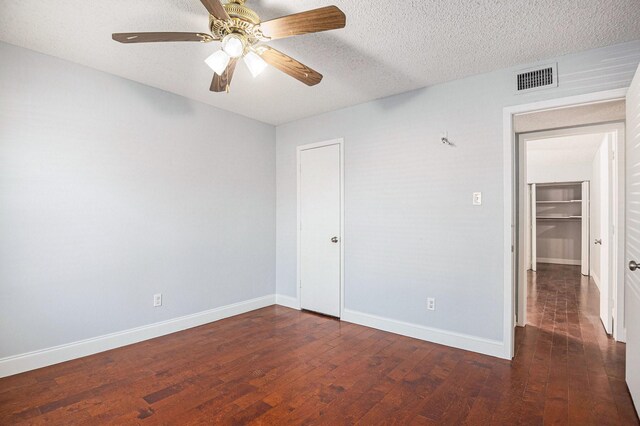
242 35
234 45
255 63
218 61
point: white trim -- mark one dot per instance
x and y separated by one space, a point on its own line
287 301
574 262
299 149
509 320
616 129
435 335
585 238
524 228
508 188
619 233
596 279
57 354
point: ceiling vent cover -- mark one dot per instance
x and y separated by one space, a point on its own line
537 78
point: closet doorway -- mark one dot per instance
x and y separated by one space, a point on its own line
558 233
570 181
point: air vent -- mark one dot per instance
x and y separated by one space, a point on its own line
537 78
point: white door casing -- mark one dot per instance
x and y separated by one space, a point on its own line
604 239
510 205
632 278
527 232
522 191
320 227
534 228
586 237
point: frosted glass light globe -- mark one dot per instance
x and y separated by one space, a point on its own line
233 45
218 62
255 63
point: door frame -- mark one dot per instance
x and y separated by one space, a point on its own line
528 227
618 217
616 186
299 149
510 251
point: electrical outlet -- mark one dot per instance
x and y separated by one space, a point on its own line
157 300
431 304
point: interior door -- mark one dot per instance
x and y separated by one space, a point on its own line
603 239
320 226
632 277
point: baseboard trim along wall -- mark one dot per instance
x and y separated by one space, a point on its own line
575 262
45 357
287 301
596 279
57 354
457 340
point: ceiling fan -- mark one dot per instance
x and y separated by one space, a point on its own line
241 32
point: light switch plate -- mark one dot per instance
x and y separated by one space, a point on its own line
477 198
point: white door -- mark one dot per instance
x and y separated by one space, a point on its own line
632 278
586 238
602 240
320 225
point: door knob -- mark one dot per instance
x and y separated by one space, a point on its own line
633 265
598 242
334 240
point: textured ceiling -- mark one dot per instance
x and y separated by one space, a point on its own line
388 47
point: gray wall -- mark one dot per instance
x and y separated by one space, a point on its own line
411 231
111 191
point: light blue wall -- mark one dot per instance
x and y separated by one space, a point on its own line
111 191
411 231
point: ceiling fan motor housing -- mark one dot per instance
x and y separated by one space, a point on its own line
242 21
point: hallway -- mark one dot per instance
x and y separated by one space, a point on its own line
576 372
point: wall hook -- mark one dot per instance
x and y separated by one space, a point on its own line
445 140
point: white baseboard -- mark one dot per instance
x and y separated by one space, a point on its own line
44 357
457 340
288 301
575 262
596 279
57 354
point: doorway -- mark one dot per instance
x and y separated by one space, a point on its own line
320 227
569 190
512 205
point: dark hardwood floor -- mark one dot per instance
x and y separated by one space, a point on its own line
280 366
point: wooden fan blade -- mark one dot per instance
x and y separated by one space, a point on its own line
312 21
215 8
222 82
290 66
160 37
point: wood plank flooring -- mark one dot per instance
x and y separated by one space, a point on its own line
280 366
